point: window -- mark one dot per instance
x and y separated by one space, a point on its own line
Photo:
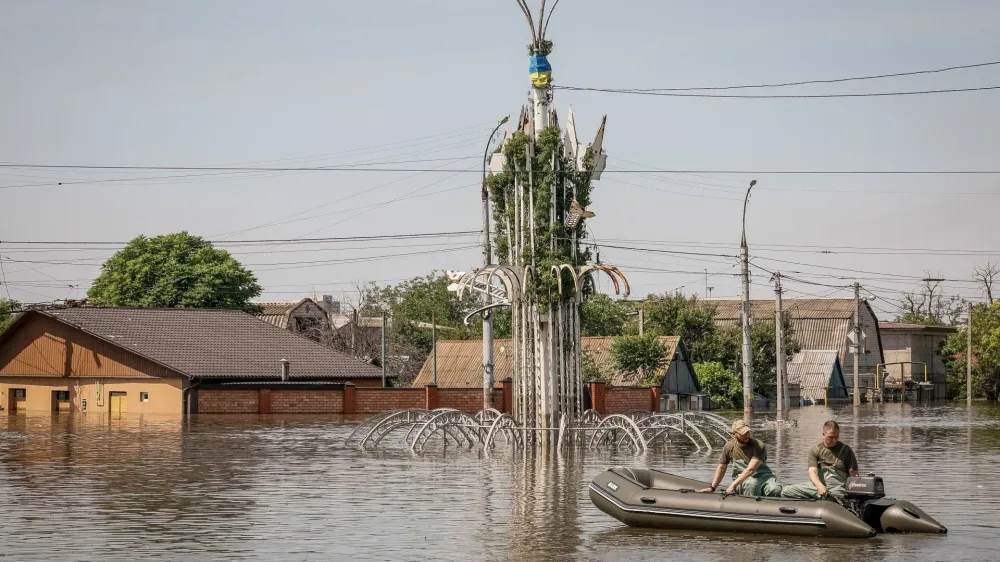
20 394
143 397
62 395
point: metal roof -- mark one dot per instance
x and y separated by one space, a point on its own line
815 371
460 362
904 327
211 343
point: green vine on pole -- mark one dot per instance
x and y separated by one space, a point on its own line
503 188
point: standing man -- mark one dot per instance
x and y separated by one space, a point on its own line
751 475
830 463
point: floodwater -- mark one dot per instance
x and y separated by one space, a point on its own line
289 488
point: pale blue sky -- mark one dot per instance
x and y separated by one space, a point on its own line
223 82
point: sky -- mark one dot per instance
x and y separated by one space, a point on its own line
420 85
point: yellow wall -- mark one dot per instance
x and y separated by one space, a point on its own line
165 395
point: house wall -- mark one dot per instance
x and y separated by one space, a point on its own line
307 319
918 346
873 351
307 402
165 396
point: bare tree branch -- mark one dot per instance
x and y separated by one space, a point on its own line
986 276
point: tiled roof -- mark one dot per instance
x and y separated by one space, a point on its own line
460 362
214 343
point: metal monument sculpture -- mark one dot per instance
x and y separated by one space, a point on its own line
539 188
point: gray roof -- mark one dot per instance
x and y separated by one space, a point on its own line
210 343
813 371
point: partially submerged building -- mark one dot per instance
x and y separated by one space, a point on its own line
459 365
911 355
819 377
818 324
157 361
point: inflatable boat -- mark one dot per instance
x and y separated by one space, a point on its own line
650 498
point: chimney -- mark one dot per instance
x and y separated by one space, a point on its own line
285 367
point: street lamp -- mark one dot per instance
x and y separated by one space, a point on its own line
745 316
487 258
743 243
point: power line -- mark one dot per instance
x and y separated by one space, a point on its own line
804 82
269 240
477 171
778 96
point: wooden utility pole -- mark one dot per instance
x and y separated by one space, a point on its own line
779 348
857 341
968 359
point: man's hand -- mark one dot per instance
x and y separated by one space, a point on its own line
731 489
709 489
822 491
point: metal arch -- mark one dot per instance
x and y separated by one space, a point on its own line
590 417
486 415
502 423
664 429
390 423
373 420
718 422
612 272
558 271
446 421
618 421
483 309
659 420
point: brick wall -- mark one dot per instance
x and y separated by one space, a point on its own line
375 400
228 401
469 400
307 401
621 400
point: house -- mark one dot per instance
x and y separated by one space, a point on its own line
303 316
819 377
158 361
817 324
459 365
909 348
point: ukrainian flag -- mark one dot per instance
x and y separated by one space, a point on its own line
541 71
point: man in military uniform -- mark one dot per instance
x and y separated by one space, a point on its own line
751 475
830 463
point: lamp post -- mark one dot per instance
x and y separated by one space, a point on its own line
487 258
745 277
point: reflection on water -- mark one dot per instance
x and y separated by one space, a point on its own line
288 488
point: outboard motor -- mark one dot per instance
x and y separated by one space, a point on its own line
865 497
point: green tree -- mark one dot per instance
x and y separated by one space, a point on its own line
602 316
591 371
633 355
410 306
763 352
174 271
691 319
7 315
722 385
985 354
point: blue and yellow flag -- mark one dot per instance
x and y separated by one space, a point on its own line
541 71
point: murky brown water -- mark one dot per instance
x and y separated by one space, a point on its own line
288 488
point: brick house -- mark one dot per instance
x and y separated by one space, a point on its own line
163 361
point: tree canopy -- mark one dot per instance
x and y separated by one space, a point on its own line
7 308
985 354
174 271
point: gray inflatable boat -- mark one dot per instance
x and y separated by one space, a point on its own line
650 498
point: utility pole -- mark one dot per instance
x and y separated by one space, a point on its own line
641 322
745 277
779 347
487 260
383 350
968 359
857 341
